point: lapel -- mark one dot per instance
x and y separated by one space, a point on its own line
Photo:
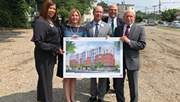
101 27
117 20
91 29
121 30
106 20
132 30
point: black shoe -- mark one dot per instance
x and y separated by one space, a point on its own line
112 91
99 100
92 99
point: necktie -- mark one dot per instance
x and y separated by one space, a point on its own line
112 26
96 30
127 31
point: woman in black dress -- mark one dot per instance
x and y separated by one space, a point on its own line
46 36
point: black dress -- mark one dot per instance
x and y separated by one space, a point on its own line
46 37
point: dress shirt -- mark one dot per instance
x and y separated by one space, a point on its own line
110 22
125 27
94 26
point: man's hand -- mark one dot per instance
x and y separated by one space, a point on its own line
125 39
107 36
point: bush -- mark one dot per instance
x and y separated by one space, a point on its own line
13 13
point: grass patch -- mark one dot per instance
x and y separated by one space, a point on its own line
169 29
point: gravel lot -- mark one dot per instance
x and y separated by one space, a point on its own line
158 77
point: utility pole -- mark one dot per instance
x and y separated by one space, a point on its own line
159 6
145 9
154 8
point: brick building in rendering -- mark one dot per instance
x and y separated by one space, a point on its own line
104 55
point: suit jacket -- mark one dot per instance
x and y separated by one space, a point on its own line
120 21
137 42
104 30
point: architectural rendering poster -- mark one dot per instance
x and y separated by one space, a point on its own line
92 57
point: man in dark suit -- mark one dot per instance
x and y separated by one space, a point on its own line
133 38
113 21
98 28
113 11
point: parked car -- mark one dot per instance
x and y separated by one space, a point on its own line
165 24
170 24
142 24
175 24
156 23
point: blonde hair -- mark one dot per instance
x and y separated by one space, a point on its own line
71 13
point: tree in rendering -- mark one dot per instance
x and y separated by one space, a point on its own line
67 66
117 45
72 66
78 66
91 65
82 66
117 66
100 65
70 46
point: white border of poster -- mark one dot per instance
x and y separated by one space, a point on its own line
92 57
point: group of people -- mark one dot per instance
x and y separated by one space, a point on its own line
47 37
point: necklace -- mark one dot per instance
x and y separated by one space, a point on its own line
73 32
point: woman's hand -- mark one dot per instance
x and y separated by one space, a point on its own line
75 36
61 51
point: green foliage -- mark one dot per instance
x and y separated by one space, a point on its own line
117 66
82 66
117 44
100 65
91 65
67 66
147 16
102 4
78 66
168 15
139 18
13 13
72 66
70 46
65 6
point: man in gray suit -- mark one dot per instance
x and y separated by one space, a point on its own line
98 28
133 38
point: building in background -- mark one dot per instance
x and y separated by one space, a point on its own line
123 7
105 12
89 16
103 55
177 16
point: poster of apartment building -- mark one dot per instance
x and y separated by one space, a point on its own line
92 57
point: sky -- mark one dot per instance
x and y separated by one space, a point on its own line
142 4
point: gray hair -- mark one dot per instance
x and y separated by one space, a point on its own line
130 11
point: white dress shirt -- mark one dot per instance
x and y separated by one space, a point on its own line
110 22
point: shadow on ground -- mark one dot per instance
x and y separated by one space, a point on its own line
5 35
81 95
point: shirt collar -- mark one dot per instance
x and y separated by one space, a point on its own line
110 19
129 25
98 22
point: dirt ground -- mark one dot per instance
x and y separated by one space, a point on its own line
158 77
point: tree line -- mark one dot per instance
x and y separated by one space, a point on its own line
14 13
